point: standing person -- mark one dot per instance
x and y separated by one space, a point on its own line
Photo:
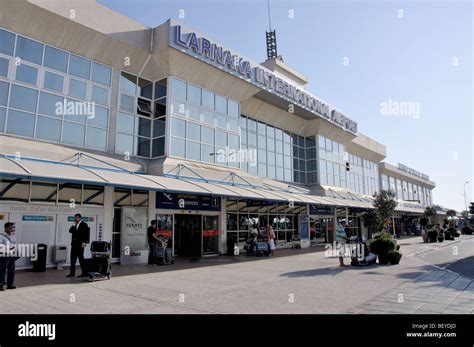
271 238
152 239
341 240
7 264
79 238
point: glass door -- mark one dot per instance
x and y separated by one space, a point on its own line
164 227
210 235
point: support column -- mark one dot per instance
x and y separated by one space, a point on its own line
223 227
108 213
151 206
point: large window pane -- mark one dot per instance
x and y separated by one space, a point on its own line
143 147
124 144
127 103
178 127
100 95
77 89
194 95
128 83
159 147
7 41
53 81
221 104
3 93
23 98
125 123
96 138
73 134
159 127
233 108
193 150
143 127
20 123
207 117
101 117
55 59
145 88
207 135
178 107
208 154
208 99
4 63
233 141
177 147
75 111
79 67
221 138
26 74
3 116
160 89
48 129
194 131
29 50
221 120
49 103
101 73
179 89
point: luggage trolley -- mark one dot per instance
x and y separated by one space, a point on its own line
99 266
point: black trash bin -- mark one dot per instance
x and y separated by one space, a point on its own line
231 241
39 265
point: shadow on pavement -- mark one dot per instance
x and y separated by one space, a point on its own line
27 278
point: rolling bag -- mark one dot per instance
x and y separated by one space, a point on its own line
163 256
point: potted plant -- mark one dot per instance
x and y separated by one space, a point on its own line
432 235
450 234
394 257
440 236
381 245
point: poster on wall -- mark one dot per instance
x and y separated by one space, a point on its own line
134 229
304 230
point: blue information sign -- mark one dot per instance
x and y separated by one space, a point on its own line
188 202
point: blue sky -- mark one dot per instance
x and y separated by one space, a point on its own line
424 57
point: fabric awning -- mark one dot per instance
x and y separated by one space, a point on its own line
74 173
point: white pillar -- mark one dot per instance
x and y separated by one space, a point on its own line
108 213
151 206
223 227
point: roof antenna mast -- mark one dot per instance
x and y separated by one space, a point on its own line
271 37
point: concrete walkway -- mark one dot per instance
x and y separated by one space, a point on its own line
305 282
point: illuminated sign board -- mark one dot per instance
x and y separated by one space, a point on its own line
204 49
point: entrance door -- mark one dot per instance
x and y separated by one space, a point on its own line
188 235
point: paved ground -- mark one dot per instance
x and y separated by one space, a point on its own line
431 278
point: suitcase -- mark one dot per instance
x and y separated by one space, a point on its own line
98 266
163 256
262 249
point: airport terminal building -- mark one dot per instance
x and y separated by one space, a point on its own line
104 116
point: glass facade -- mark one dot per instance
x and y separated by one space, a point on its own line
406 190
204 125
242 214
52 95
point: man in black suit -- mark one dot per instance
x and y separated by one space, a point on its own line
80 237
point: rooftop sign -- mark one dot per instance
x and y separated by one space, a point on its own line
412 171
204 49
